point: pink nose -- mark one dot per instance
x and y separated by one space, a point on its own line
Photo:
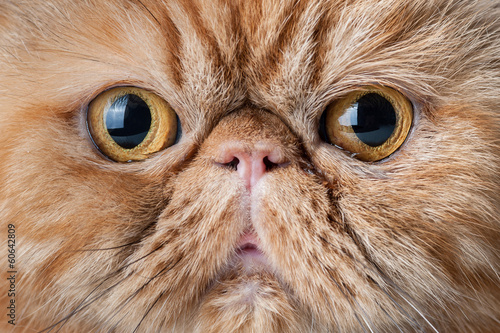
251 163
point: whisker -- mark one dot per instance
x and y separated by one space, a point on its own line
113 328
154 17
364 315
147 312
413 322
162 323
345 296
390 282
420 313
402 294
108 248
332 313
135 293
50 328
84 305
390 317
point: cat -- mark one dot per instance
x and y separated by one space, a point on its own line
250 166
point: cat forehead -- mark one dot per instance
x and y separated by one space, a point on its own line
275 53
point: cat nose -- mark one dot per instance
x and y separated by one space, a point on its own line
251 163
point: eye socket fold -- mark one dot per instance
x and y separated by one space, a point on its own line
129 123
371 122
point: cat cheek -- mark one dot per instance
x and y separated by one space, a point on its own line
302 236
193 239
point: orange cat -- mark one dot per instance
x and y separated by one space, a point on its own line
250 166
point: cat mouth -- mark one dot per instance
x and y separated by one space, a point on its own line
249 249
248 244
249 252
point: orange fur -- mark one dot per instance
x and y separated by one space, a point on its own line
410 243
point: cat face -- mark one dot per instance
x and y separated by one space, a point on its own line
252 201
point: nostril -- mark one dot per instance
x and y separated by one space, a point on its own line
251 163
233 164
269 165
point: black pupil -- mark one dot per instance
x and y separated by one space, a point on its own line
128 120
372 118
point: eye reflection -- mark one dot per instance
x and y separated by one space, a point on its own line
372 118
128 121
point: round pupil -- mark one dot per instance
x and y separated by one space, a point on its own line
128 121
372 118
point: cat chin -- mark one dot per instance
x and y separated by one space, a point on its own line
247 302
247 295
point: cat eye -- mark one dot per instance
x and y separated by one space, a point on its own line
129 123
372 122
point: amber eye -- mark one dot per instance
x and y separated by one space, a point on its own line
371 122
129 124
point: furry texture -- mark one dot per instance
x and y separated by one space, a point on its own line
407 244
